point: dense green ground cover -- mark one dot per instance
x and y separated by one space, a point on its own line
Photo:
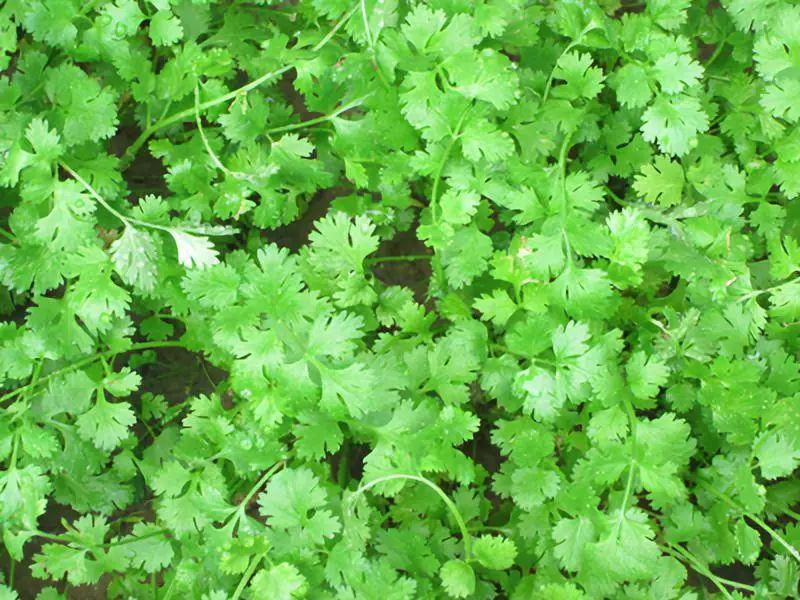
386 300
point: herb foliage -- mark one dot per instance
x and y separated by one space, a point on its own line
577 378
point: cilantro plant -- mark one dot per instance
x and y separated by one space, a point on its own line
390 299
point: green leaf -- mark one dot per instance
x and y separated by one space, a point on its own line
494 552
148 548
572 536
134 255
646 374
661 182
676 72
194 250
582 80
165 28
674 122
282 582
458 579
778 456
106 424
295 501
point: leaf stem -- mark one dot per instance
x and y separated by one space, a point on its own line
576 42
465 535
262 480
89 360
434 201
209 150
756 519
94 193
251 568
697 566
408 257
187 113
7 234
631 466
323 119
717 52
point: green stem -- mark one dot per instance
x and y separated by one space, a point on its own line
343 474
757 520
615 197
87 7
89 360
127 221
696 561
465 535
251 568
323 119
434 202
188 113
100 200
408 257
776 536
209 150
53 538
262 480
12 463
769 290
323 42
7 234
442 163
717 53
631 466
549 85
791 513
697 566
170 587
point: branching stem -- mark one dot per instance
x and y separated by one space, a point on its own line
462 526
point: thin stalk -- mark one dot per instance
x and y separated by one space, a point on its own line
562 175
262 480
336 28
434 202
440 168
87 7
343 468
127 221
94 193
317 120
53 538
371 43
717 53
187 113
406 258
769 290
631 466
465 535
12 463
251 568
700 568
615 197
89 360
757 520
549 84
209 150
170 587
7 234
697 562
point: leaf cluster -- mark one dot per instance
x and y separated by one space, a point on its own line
489 299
